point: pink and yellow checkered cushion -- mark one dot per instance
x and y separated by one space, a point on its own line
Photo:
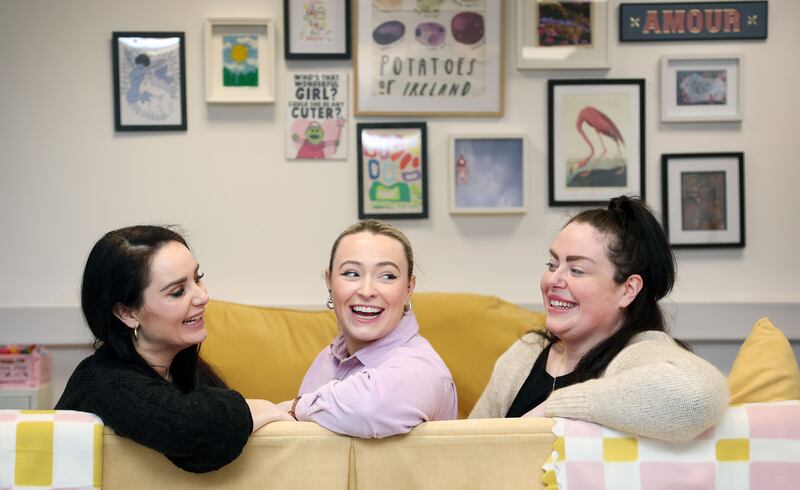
58 449
755 446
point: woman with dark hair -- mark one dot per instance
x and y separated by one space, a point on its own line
605 356
143 299
379 377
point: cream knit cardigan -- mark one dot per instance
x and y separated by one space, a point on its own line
653 388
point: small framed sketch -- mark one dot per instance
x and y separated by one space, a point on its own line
703 199
563 34
316 29
149 81
701 88
240 60
317 118
429 58
487 174
596 140
392 170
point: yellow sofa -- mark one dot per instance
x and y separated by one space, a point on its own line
264 352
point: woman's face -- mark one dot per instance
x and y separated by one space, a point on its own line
171 315
369 286
583 302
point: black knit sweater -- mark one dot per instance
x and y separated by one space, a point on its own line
199 431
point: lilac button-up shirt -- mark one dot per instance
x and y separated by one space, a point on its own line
386 388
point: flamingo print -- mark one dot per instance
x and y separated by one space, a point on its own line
604 126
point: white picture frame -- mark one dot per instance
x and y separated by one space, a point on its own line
534 51
454 72
487 173
235 73
701 88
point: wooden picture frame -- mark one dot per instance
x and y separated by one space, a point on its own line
596 140
700 88
487 173
240 61
149 81
392 170
429 60
317 29
703 199
569 35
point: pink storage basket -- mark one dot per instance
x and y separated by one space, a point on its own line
25 370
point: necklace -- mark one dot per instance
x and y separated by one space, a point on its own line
558 372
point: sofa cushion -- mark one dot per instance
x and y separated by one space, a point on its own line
765 369
470 332
264 352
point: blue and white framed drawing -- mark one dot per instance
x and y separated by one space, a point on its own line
240 61
149 81
697 88
487 174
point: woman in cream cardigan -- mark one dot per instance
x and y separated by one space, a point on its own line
604 356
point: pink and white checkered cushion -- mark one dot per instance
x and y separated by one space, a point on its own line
755 446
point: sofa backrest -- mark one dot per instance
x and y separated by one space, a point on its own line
264 352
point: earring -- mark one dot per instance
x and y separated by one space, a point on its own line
330 303
136 332
407 307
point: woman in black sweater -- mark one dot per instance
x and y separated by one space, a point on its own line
143 299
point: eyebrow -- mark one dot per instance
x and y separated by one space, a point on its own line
379 264
572 258
179 281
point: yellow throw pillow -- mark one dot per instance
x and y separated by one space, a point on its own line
765 369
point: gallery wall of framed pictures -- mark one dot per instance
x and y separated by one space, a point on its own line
445 58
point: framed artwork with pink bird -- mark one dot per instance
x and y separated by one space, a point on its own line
596 140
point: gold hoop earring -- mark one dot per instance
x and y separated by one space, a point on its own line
329 304
136 332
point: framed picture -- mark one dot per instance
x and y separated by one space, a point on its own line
703 199
392 170
240 60
596 140
429 58
316 29
317 118
701 88
149 81
487 174
563 34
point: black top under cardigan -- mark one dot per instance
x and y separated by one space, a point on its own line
538 386
199 431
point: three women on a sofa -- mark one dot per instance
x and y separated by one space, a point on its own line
604 357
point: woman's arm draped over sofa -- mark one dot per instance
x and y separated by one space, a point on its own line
390 398
199 431
653 388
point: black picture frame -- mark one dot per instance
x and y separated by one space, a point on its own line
149 81
293 52
575 103
392 170
703 199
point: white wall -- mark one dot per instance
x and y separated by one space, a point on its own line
261 226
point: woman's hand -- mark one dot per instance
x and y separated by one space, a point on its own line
538 410
265 412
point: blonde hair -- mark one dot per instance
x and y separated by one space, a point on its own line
376 227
